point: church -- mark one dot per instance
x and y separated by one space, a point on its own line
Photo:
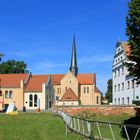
70 89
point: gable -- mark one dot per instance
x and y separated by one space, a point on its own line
69 96
69 76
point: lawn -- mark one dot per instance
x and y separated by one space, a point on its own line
34 126
104 128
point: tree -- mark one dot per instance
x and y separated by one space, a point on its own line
108 94
12 66
1 55
133 33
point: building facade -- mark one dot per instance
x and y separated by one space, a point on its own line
55 89
125 89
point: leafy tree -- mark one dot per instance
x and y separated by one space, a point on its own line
12 66
1 55
108 94
133 33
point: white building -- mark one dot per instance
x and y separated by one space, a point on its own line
125 89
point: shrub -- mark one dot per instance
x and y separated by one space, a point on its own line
87 114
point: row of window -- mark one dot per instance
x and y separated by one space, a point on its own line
86 90
121 101
58 90
8 94
118 60
130 84
33 100
119 72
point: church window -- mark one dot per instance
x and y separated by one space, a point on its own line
57 90
65 88
6 94
84 89
35 100
87 89
97 100
30 100
10 94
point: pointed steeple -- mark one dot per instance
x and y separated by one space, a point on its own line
73 67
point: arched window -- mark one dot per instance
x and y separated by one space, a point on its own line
30 100
6 94
35 100
10 94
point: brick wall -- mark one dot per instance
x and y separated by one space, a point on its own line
104 110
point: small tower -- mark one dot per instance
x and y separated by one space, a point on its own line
73 66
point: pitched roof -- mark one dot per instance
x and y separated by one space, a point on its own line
56 78
12 80
97 90
126 48
35 83
86 79
69 96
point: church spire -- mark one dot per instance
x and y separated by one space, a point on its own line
73 67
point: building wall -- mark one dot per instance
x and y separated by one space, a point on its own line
68 103
69 81
88 95
57 91
17 97
40 96
124 91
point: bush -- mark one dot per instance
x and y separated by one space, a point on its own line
87 114
136 102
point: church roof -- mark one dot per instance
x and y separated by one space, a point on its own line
12 80
56 78
69 95
35 83
86 79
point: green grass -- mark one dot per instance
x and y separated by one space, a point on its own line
41 126
105 129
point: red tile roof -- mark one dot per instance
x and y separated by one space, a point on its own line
12 80
126 48
56 78
86 79
35 83
69 96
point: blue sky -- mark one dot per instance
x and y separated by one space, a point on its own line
40 32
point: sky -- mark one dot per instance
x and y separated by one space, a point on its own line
40 33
